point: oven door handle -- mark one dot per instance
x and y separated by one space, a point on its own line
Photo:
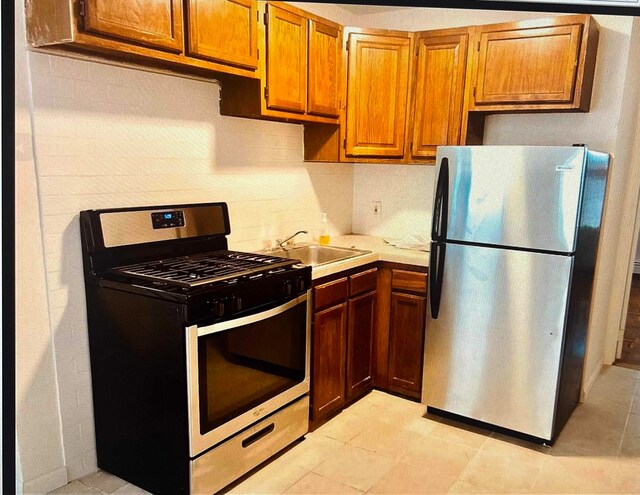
247 320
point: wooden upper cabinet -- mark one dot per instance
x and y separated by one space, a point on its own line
536 64
224 31
286 60
155 23
325 49
439 92
377 90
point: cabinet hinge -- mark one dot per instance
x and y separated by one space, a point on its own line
346 45
258 53
474 91
266 93
478 47
257 16
344 143
82 11
266 18
417 50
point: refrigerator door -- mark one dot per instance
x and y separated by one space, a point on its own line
493 353
518 196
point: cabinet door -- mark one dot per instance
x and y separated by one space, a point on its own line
325 42
286 60
157 23
528 65
224 31
439 93
360 343
329 356
377 86
406 343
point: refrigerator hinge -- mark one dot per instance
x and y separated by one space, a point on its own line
82 11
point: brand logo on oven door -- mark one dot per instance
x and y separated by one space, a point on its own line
258 412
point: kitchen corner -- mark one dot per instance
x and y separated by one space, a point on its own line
160 341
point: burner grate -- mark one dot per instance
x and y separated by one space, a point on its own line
189 271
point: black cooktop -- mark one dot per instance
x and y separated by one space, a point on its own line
204 268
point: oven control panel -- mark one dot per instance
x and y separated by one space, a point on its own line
167 219
242 296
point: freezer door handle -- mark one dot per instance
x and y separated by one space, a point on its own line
436 267
441 203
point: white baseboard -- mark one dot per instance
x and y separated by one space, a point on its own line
588 383
636 266
46 482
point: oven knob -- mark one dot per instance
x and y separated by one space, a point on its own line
236 304
287 288
217 308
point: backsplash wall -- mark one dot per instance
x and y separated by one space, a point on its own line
109 136
406 196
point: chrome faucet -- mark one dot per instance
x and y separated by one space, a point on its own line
282 243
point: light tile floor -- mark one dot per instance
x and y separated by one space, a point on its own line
385 444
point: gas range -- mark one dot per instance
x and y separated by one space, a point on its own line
199 354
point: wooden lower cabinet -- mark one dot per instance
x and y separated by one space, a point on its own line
359 343
398 342
344 322
329 351
406 343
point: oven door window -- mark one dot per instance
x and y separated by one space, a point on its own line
242 367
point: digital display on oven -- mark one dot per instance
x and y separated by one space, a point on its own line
167 219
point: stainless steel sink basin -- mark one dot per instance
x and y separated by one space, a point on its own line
318 255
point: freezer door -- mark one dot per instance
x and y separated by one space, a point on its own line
518 196
493 353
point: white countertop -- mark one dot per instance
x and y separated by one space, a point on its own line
380 251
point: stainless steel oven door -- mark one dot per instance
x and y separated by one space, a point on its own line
240 370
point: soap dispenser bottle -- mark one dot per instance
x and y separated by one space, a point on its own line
324 237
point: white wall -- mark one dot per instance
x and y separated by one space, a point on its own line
40 463
623 208
406 194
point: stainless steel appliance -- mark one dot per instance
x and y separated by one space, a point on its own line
199 355
514 242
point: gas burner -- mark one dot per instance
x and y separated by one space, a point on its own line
206 268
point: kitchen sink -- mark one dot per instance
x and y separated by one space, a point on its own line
318 255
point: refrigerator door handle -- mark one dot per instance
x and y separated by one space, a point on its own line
436 268
441 209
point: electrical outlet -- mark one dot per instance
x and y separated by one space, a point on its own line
377 207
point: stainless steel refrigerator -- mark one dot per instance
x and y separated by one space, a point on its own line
514 241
